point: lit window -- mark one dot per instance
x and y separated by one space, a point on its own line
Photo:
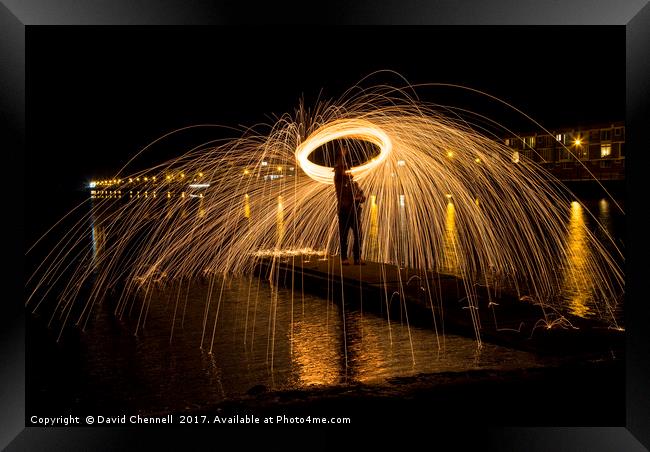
507 141
605 150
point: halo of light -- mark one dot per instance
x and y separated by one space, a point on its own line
359 129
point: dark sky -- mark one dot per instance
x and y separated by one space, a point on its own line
97 95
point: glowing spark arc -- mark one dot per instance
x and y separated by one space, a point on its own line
359 129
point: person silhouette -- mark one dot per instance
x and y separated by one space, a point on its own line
349 197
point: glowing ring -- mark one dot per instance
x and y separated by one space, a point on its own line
359 129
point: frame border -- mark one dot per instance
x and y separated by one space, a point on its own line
16 15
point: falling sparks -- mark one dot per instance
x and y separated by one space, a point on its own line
424 215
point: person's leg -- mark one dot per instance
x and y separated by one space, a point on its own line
343 235
356 231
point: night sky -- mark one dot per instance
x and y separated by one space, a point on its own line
98 95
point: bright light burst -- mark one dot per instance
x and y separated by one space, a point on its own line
352 128
444 197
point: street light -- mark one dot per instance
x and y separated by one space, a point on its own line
577 143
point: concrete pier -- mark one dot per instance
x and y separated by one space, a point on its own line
440 301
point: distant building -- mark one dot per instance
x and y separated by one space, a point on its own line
570 154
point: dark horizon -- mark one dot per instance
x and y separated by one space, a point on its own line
100 94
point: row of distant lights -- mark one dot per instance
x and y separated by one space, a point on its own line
265 163
118 194
108 182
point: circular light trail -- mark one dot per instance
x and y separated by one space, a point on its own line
443 197
358 129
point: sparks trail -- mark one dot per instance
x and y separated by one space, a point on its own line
443 198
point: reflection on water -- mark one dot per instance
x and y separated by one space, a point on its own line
372 242
450 240
402 248
247 207
578 280
261 337
604 217
315 349
280 220
98 239
201 208
590 216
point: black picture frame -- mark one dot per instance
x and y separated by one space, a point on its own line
15 16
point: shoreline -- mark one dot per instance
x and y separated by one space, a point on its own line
591 393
